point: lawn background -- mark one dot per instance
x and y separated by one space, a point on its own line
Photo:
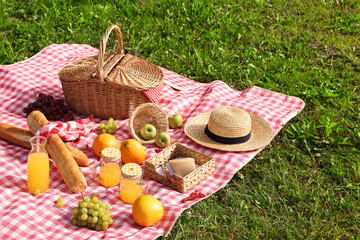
306 184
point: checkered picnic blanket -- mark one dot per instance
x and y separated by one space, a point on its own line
28 217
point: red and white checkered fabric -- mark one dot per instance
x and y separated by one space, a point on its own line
74 131
154 94
24 216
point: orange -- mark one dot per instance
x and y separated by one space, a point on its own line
147 210
132 152
102 141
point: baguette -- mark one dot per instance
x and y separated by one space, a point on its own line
21 137
60 154
15 135
80 158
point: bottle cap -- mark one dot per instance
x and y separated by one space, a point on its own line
131 171
110 154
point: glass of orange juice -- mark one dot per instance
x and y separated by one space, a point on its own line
110 169
131 184
38 165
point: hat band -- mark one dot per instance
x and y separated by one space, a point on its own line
227 140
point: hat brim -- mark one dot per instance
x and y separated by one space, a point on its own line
261 134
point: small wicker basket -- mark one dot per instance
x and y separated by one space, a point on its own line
147 113
110 84
180 184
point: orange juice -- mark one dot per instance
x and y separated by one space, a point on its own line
109 175
38 171
130 190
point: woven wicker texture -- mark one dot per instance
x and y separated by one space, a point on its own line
147 113
228 122
109 84
180 184
233 122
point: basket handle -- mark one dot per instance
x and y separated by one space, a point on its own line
101 55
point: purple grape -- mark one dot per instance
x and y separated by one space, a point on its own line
45 101
60 112
50 97
42 96
47 112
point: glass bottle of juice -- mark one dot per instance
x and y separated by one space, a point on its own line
110 169
38 165
131 185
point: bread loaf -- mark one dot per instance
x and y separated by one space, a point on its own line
80 158
21 137
60 154
15 135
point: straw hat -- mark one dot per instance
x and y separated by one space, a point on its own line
229 129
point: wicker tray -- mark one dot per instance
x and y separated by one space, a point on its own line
180 184
110 84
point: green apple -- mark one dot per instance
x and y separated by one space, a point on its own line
148 131
163 139
175 121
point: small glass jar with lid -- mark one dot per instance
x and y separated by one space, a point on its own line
110 167
131 184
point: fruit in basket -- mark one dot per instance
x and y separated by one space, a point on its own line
132 152
163 139
147 210
109 127
148 131
53 109
92 213
102 141
175 121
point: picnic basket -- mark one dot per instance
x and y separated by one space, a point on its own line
180 184
110 84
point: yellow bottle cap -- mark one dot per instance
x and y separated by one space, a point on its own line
110 154
131 171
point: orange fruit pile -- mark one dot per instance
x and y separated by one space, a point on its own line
147 210
103 141
132 152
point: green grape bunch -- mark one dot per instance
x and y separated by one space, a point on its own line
109 127
92 213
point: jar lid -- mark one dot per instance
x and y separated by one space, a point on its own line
131 171
110 154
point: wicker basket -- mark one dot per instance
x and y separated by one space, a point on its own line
110 84
180 184
147 113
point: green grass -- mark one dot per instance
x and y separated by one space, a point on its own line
307 184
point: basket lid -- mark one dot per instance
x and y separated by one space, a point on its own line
117 69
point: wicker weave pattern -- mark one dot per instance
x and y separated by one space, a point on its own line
109 84
180 184
147 113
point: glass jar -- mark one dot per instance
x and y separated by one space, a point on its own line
38 165
110 167
131 184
